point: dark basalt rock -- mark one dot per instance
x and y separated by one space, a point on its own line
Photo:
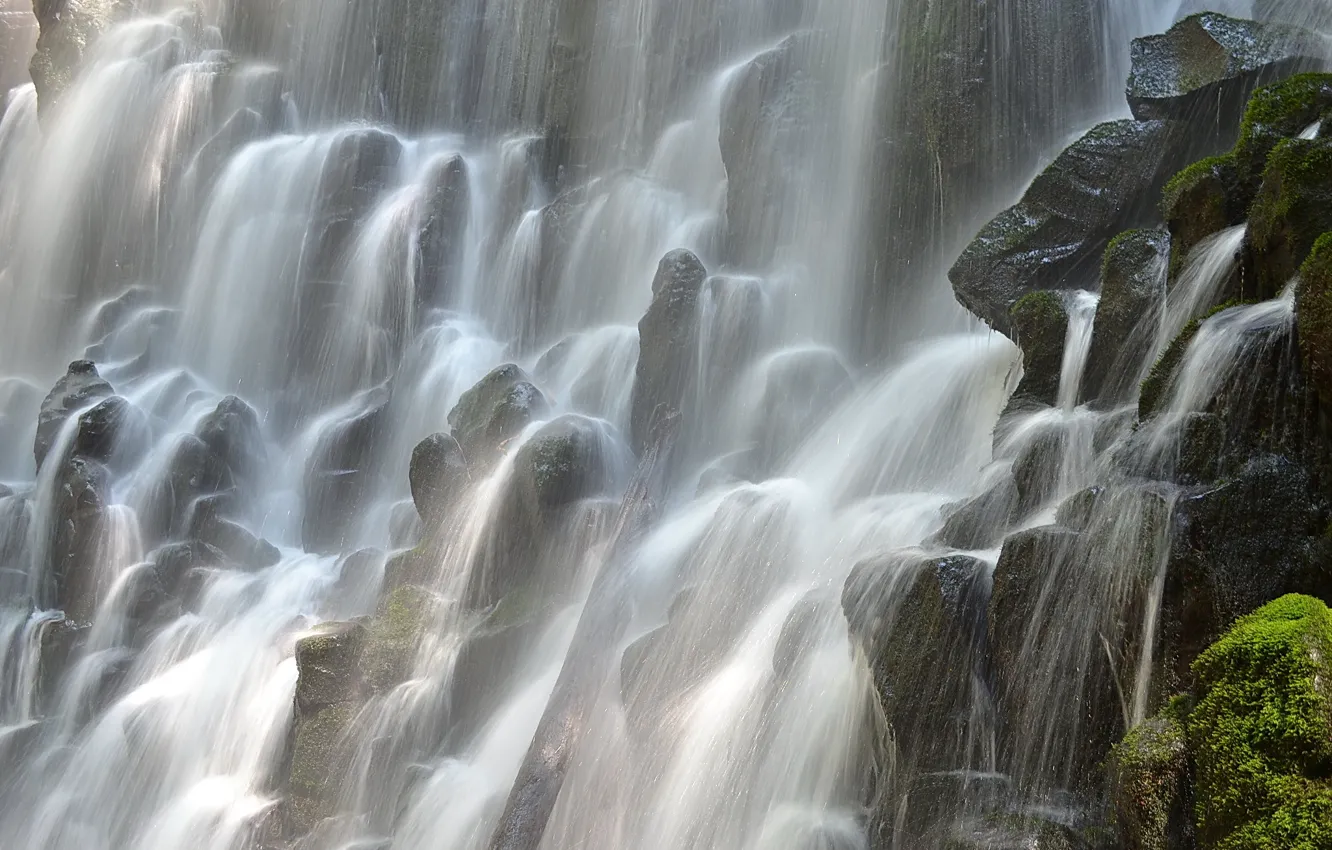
239 546
1105 182
80 386
232 432
1040 326
179 565
442 227
67 31
114 432
438 475
244 126
194 471
1205 67
493 412
341 476
328 665
1201 200
1133 278
667 342
980 522
1293 208
84 492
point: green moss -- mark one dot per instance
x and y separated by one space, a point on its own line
390 646
1199 201
1261 733
1313 306
1276 112
1151 392
1148 768
315 754
1293 208
1040 324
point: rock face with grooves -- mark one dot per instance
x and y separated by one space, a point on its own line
1205 67
1108 180
667 342
1133 289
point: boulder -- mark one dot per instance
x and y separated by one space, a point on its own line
1107 181
83 493
667 343
1149 780
179 566
1039 323
1313 311
438 475
1077 511
233 434
1260 734
1205 67
237 544
1275 113
1038 465
1133 289
493 412
114 432
982 522
320 752
328 665
440 232
392 635
80 387
341 475
194 471
1293 208
1201 200
404 525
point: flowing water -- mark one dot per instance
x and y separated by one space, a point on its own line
328 235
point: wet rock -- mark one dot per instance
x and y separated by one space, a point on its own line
1313 311
404 526
319 757
920 623
233 434
114 432
981 522
442 228
1154 392
80 504
412 40
239 546
174 563
438 475
668 342
392 636
61 638
1132 297
1201 200
802 628
341 476
1106 182
493 412
1205 67
1293 208
1040 324
80 387
1037 468
328 665
1275 113
1077 511
766 122
67 31
193 471
1148 773
244 126
803 387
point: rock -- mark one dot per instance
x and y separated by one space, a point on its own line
1269 513
1201 200
244 126
1038 466
1133 278
1040 324
1293 208
802 388
194 471
1077 511
493 412
233 434
803 626
668 342
1154 392
174 563
341 475
1148 775
413 39
319 757
1313 312
114 432
67 31
1261 731
75 537
392 636
981 522
80 387
235 542
1106 182
767 116
1205 67
20 402
1275 113
438 475
443 224
328 664
404 525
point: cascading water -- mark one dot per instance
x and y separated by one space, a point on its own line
297 255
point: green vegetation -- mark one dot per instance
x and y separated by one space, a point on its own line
1313 300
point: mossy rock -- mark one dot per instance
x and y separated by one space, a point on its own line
393 636
1201 200
1293 208
1275 113
1261 733
1040 324
1313 307
327 662
1149 775
1132 296
494 411
318 765
1153 392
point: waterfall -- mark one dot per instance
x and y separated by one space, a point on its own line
363 327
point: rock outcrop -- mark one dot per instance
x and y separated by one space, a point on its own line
667 342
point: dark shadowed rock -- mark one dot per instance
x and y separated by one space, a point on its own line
341 475
240 546
981 522
80 387
114 432
1108 180
1201 200
1275 113
67 30
232 432
76 532
1040 324
1206 66
244 126
667 342
442 228
493 412
438 475
1133 288
1293 208
194 471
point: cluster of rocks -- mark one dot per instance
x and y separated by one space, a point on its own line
1233 519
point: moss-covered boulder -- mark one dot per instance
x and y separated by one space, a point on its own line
1204 67
1039 323
667 342
1275 113
1106 182
319 753
1293 208
495 411
1149 781
1261 732
1201 200
328 665
393 635
1154 390
1313 310
1132 296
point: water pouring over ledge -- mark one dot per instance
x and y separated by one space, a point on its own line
317 548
